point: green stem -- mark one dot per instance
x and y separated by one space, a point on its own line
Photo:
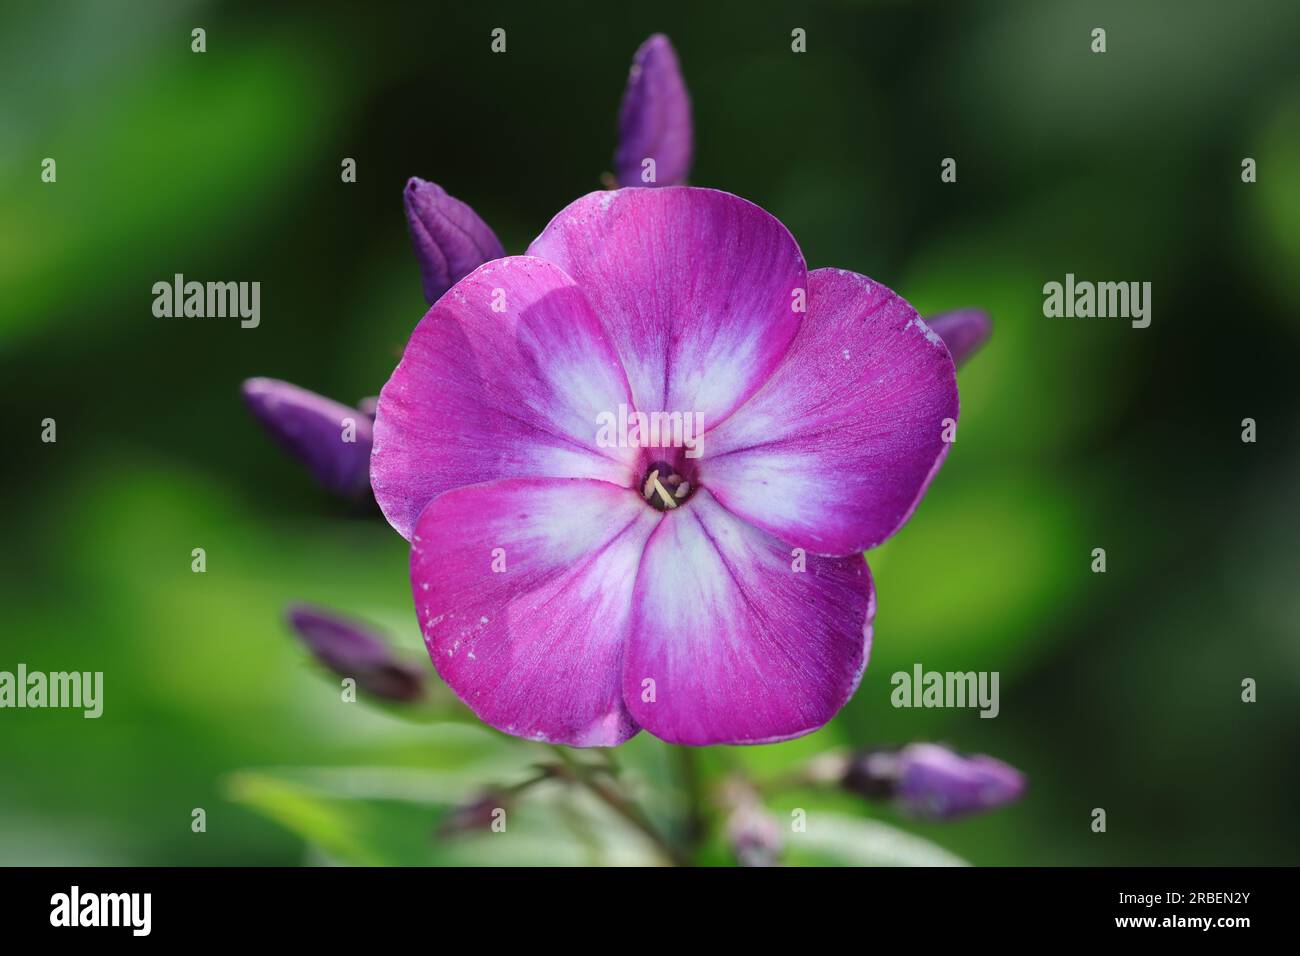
696 825
621 805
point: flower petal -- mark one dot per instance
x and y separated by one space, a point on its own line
655 119
740 645
962 330
523 589
450 239
696 288
836 450
482 394
332 440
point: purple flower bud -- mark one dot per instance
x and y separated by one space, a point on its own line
655 119
962 330
478 813
933 782
351 650
754 836
332 440
450 239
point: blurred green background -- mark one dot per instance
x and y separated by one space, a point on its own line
1119 690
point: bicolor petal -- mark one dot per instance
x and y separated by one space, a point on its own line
962 330
450 239
835 451
505 376
523 589
697 288
655 134
331 439
737 638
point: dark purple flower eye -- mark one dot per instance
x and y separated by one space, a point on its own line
933 782
450 239
351 650
668 485
332 440
656 139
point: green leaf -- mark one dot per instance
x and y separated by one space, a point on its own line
833 840
364 816
361 833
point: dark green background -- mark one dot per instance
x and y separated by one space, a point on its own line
1119 691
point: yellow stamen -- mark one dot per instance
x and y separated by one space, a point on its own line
664 496
654 484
